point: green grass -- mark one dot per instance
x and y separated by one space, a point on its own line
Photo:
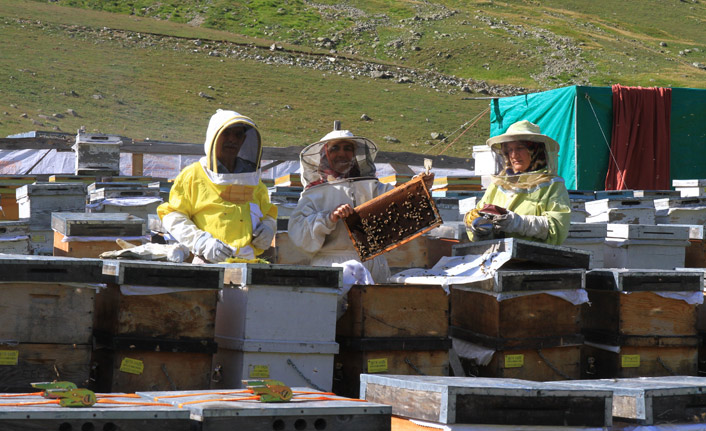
151 90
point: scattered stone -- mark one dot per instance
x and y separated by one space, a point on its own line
97 96
72 112
276 47
404 80
437 136
699 65
663 44
57 115
23 115
391 139
378 74
43 116
288 107
205 96
73 93
365 117
56 128
214 53
5 113
36 123
12 105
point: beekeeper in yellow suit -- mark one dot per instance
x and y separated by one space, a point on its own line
218 207
338 174
529 189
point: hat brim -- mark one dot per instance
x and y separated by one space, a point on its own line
316 146
550 144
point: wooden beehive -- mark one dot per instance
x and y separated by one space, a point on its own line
651 334
393 218
647 401
47 319
392 329
161 316
97 154
37 201
483 401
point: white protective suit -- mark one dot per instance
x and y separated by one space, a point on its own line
208 204
310 228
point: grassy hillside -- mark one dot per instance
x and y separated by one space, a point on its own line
160 69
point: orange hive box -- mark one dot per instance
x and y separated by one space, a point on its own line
392 219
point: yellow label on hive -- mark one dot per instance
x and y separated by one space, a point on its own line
38 237
630 361
514 361
132 366
259 371
9 357
377 365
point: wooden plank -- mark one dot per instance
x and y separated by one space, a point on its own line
17 268
173 315
169 371
137 164
47 313
306 413
44 362
639 313
644 280
81 249
527 316
455 400
528 252
395 311
165 274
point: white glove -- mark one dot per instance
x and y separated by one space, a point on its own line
212 249
262 236
531 226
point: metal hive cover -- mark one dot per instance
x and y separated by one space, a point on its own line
392 219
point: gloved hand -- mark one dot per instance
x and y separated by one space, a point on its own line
532 226
212 249
262 236
482 229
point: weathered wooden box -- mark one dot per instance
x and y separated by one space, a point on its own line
97 153
41 241
400 329
645 246
531 254
37 201
685 210
656 194
590 237
159 300
578 211
483 401
493 312
635 325
14 237
126 366
46 319
121 412
8 194
391 219
161 317
89 235
219 410
648 401
690 188
625 210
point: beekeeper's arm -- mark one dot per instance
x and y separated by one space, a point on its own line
309 224
176 221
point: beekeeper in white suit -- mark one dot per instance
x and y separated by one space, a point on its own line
338 173
218 207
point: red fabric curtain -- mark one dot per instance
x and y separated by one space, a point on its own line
640 139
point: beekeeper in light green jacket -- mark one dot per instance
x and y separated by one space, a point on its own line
528 188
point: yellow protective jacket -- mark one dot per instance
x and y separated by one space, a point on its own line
227 206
